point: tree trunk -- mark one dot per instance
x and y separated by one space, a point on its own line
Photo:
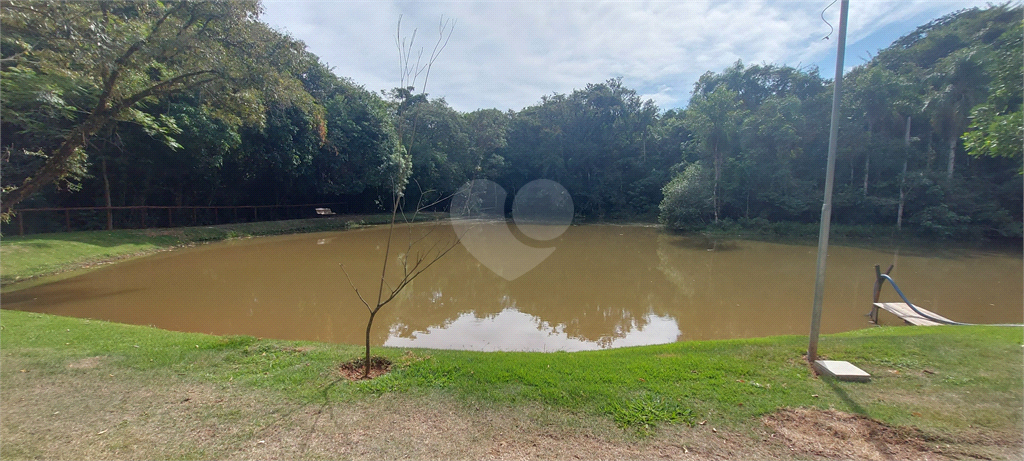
903 178
718 174
366 364
952 156
54 167
903 198
867 166
930 155
747 213
867 157
106 196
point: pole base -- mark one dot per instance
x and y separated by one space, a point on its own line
843 371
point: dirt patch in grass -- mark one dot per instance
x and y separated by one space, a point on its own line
355 370
834 434
88 362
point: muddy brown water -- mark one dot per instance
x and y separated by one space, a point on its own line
602 286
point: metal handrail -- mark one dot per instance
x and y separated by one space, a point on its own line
878 286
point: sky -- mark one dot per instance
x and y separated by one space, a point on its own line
508 54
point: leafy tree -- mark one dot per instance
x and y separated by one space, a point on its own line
276 158
362 149
771 143
714 120
997 126
688 201
185 172
875 93
488 134
121 56
958 84
595 143
436 138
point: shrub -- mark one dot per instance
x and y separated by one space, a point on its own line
688 202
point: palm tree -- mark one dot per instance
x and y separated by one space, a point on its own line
958 84
714 118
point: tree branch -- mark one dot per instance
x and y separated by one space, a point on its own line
161 88
354 288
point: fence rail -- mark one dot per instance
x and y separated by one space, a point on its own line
42 220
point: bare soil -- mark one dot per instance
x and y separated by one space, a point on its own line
837 435
355 370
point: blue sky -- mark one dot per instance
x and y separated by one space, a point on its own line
508 54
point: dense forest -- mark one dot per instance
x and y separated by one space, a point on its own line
200 104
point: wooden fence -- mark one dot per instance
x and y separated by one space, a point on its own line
41 220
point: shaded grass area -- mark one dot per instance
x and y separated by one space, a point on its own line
31 256
953 383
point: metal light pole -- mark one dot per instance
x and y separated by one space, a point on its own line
826 207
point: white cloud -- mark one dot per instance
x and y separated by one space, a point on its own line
507 54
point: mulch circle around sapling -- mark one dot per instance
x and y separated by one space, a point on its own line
353 369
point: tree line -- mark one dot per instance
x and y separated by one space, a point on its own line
199 104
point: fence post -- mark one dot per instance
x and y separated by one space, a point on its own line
67 219
170 222
255 216
21 224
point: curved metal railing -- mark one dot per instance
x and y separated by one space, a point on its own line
878 286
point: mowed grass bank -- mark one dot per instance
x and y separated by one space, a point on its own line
952 385
31 256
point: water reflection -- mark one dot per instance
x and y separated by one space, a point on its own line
602 286
512 330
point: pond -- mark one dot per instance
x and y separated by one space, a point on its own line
591 287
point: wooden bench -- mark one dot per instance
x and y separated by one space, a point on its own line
324 211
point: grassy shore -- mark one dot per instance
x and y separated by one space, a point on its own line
24 258
79 388
953 387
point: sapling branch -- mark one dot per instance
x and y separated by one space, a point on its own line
349 278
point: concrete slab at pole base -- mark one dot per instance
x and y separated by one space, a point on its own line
843 371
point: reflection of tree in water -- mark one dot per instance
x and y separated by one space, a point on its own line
735 289
599 286
605 282
455 286
601 283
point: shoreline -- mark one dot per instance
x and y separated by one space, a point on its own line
144 242
83 251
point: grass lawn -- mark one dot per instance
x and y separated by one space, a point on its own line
952 390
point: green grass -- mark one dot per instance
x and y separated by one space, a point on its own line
31 256
945 380
644 413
